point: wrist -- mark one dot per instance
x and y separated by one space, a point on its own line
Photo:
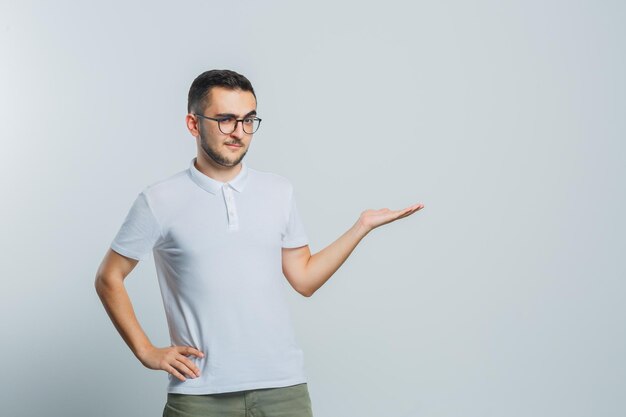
360 230
141 350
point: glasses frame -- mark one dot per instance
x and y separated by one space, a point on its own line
219 124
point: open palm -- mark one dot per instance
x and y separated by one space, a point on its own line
371 219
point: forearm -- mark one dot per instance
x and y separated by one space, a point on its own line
322 265
118 306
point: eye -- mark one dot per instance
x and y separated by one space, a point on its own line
248 120
227 119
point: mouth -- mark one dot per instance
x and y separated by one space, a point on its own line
233 146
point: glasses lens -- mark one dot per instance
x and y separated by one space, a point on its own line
250 125
227 125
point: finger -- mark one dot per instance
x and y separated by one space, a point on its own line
188 350
189 364
183 368
407 213
169 368
414 208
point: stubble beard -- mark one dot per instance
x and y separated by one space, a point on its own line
217 157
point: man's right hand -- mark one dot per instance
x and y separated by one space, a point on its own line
110 287
173 360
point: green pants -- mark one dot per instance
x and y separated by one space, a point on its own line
291 401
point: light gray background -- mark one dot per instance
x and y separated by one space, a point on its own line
504 296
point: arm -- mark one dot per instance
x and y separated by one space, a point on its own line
307 273
110 287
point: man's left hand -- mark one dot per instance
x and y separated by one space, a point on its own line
371 219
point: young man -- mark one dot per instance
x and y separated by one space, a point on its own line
224 235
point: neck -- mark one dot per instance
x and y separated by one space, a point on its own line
218 172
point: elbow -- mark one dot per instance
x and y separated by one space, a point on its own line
97 283
100 285
104 283
307 292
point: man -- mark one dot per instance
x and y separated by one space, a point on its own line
223 236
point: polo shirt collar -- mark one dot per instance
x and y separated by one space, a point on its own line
213 186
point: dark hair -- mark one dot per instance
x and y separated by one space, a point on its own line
197 100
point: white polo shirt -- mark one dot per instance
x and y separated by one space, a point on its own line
217 252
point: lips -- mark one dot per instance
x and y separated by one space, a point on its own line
231 145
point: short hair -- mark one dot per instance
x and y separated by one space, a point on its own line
197 100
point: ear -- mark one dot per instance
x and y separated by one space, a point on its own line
192 124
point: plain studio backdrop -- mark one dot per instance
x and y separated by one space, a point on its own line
504 296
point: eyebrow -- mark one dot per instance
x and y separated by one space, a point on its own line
250 113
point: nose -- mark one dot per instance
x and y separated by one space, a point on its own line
238 132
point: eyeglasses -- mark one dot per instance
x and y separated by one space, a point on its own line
228 124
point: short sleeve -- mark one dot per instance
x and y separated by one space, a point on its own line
294 235
139 232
